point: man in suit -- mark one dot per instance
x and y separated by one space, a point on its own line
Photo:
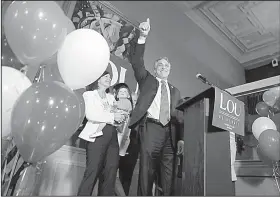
156 119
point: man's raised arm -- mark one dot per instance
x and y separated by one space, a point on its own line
137 59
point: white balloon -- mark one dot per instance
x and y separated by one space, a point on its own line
276 91
14 83
82 58
115 73
261 124
270 96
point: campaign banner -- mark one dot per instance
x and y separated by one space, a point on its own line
229 112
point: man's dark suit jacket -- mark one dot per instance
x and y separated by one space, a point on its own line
148 86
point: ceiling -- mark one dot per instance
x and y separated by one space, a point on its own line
248 30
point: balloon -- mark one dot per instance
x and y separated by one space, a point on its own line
263 157
14 83
270 96
262 109
269 143
35 30
261 124
276 91
8 58
70 26
79 94
45 116
51 73
276 106
83 57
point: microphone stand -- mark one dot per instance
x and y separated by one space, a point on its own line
212 85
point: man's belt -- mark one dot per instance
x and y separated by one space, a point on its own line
155 121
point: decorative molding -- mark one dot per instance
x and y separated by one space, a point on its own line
66 155
58 175
210 30
260 61
73 149
254 87
70 162
252 169
248 31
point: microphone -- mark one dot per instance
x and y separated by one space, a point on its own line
203 79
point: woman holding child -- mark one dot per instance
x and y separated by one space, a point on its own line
100 132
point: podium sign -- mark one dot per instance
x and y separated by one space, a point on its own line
229 112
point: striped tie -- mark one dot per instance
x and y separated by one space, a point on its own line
164 105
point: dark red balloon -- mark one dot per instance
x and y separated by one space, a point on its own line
262 109
276 106
35 30
269 143
45 116
263 157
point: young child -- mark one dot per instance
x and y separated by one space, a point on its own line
123 103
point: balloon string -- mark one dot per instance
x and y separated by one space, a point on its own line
3 171
43 73
12 173
40 75
276 175
21 186
39 167
277 168
10 145
23 174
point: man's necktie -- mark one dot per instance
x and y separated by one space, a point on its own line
164 104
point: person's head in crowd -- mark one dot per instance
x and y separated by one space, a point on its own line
122 91
103 82
162 68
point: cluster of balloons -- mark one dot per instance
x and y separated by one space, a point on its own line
270 103
42 116
265 130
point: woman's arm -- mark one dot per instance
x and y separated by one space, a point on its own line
95 113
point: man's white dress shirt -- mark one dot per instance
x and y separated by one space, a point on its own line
154 109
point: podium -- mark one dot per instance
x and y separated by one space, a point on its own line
207 161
